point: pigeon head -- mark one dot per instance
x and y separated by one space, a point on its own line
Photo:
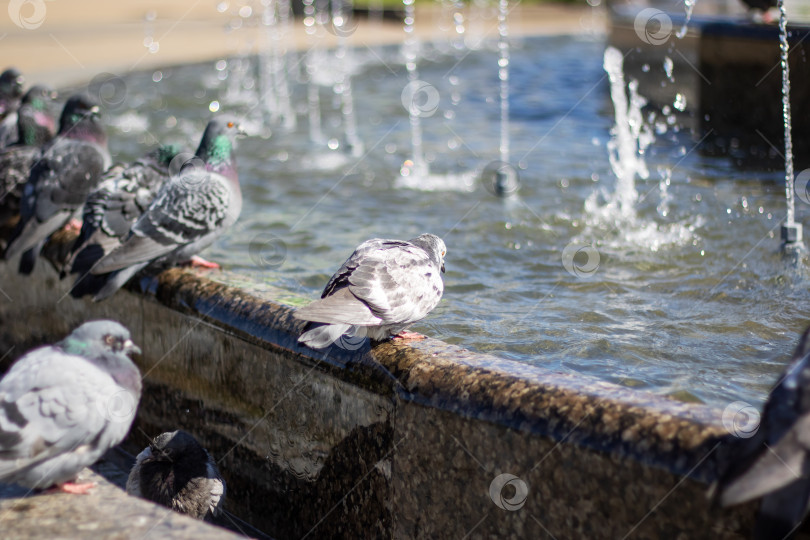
176 445
218 143
11 83
100 338
35 123
81 119
434 246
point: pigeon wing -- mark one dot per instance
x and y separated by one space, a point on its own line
185 210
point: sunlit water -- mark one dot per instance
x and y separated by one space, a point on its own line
689 298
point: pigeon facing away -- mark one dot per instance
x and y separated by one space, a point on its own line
176 472
384 287
11 89
125 192
62 406
193 209
68 168
35 127
774 464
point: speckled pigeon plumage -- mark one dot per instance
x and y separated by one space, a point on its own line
66 171
11 90
124 194
381 289
62 406
176 472
193 209
773 464
35 127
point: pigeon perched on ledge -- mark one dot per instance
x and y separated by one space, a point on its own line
774 464
62 406
34 122
11 89
190 212
65 172
124 194
383 287
176 472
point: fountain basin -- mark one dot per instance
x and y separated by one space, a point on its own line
399 440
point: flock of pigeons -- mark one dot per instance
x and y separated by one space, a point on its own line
56 402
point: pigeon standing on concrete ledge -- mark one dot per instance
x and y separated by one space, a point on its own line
382 289
67 170
774 464
62 406
35 124
193 209
124 194
175 471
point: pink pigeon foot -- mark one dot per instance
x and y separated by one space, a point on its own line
407 334
74 225
73 488
199 262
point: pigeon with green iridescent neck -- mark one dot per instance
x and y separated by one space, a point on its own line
11 90
198 203
124 194
66 171
62 406
35 127
176 472
383 287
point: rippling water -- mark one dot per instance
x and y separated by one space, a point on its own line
689 298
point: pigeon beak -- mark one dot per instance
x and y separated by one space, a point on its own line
442 268
95 109
54 94
129 346
240 131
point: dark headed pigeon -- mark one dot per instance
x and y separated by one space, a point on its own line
62 406
125 192
11 89
35 127
176 472
34 121
774 463
382 289
67 170
190 211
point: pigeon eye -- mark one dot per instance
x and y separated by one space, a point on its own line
115 343
230 124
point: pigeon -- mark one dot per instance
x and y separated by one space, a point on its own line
381 289
176 472
35 127
62 406
34 124
68 168
112 208
11 89
190 211
774 464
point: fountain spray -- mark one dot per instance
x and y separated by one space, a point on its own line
791 231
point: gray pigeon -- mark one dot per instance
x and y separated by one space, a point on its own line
773 464
62 406
193 209
382 289
35 127
124 194
11 89
68 168
176 472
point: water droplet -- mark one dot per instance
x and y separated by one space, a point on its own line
157 76
668 67
680 102
645 68
333 144
221 64
390 148
213 106
245 11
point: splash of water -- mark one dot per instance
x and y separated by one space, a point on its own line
784 50
689 6
343 87
416 167
313 93
503 75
